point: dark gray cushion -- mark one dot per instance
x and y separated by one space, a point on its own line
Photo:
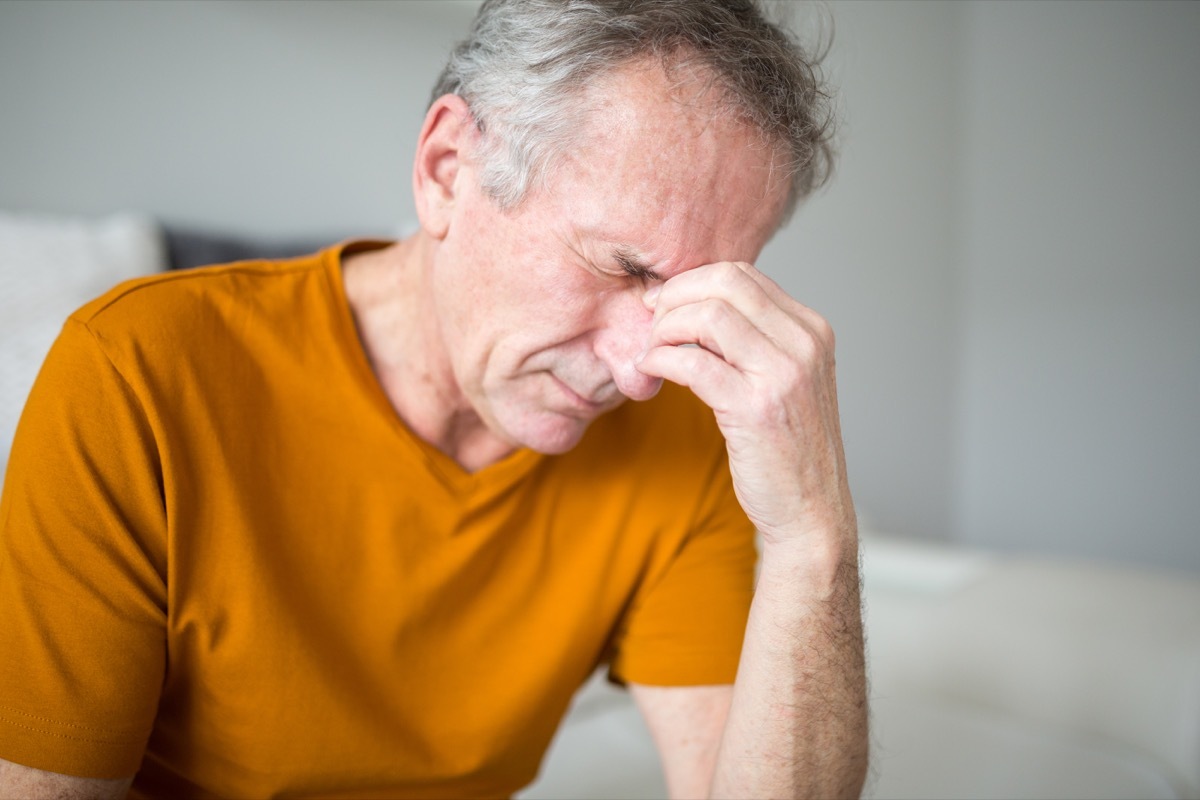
188 248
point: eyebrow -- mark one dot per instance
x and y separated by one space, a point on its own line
634 266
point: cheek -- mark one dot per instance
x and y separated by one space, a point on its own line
510 292
555 329
570 295
543 296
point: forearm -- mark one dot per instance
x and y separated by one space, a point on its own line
29 783
797 726
797 722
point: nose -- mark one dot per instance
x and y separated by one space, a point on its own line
622 339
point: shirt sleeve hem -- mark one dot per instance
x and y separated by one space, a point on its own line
695 670
62 749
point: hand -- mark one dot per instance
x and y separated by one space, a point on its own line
765 366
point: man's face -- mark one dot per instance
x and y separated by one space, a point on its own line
540 315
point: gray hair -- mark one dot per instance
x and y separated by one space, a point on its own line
525 62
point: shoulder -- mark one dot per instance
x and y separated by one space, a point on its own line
159 303
212 317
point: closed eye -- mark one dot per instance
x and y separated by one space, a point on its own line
633 267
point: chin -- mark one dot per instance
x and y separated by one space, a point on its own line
547 432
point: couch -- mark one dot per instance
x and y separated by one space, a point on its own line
992 676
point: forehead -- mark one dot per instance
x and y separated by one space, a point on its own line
663 170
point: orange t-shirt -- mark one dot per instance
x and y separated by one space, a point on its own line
227 564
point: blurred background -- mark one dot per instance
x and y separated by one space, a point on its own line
1008 252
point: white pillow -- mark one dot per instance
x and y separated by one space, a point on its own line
49 267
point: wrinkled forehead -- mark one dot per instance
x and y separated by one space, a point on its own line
662 166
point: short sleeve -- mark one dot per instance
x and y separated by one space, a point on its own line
686 627
82 571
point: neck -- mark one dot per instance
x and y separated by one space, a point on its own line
390 297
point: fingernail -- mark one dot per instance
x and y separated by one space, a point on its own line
651 295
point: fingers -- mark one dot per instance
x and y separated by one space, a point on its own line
710 377
735 311
772 289
765 365
724 280
747 290
716 326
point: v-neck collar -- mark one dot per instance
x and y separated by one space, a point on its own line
472 488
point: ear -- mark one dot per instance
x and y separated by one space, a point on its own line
445 137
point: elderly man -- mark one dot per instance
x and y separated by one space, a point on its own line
359 524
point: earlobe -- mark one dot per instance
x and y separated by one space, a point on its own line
447 131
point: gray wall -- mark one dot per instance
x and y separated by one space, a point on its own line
278 118
1007 251
1080 359
876 253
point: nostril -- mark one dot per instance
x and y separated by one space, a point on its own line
636 385
650 389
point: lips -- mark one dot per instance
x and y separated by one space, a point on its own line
578 400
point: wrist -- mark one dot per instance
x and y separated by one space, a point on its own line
829 537
818 559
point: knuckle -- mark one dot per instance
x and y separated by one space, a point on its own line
824 332
727 274
791 375
815 342
794 381
769 405
808 349
819 328
713 311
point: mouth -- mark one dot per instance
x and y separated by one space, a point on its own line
577 402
